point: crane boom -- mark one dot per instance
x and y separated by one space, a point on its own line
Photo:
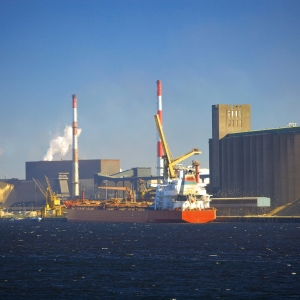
119 188
166 149
48 184
177 160
42 190
169 162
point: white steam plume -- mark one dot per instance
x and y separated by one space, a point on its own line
61 144
1 151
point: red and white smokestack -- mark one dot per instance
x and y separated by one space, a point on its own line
160 163
75 176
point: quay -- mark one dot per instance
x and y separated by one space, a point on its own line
258 219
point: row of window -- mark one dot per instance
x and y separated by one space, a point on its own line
234 113
233 123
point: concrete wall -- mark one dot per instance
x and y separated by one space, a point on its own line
108 166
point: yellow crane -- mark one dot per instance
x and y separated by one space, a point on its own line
52 202
170 162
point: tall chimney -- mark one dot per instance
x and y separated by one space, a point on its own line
75 176
160 163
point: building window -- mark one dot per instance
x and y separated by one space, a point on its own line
237 123
240 123
236 113
232 113
240 113
228 113
232 123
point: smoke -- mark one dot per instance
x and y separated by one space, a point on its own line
1 151
61 144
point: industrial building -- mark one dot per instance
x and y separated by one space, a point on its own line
18 192
262 163
92 173
225 119
137 179
25 193
244 163
87 169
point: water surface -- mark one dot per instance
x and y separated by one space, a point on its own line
49 260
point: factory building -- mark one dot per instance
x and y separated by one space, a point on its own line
59 173
87 169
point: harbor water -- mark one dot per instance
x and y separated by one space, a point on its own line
60 260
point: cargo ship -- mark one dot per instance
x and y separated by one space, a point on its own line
179 199
182 200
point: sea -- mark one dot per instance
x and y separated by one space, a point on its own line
60 260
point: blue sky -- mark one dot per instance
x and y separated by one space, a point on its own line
111 53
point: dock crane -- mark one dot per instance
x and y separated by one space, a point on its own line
170 162
52 202
41 188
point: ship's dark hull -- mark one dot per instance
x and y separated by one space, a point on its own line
139 216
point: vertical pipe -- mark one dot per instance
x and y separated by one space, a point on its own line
160 163
75 177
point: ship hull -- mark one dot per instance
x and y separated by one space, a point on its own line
140 216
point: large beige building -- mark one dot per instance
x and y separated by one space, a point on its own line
262 163
225 119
